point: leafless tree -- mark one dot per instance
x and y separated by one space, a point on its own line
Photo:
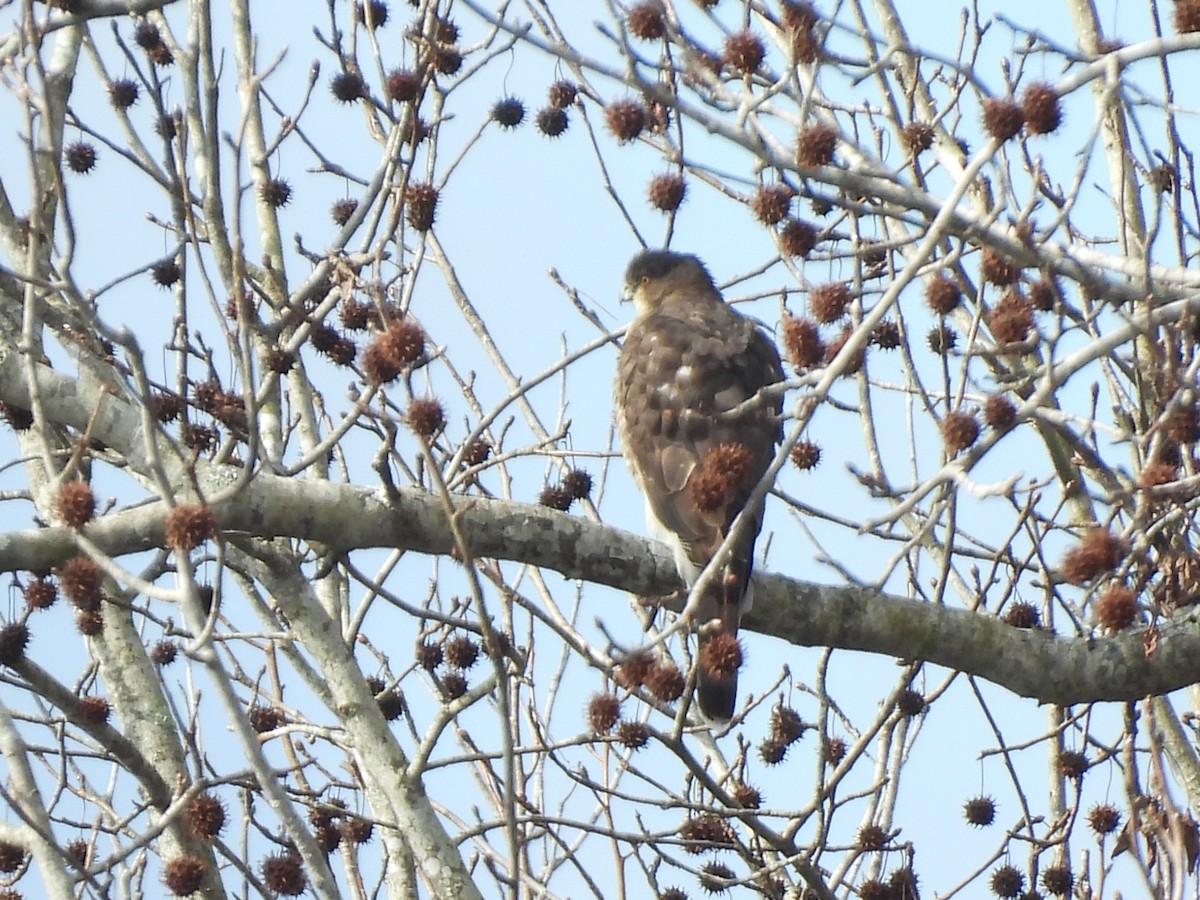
344 611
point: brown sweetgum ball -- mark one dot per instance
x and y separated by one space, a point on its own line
634 735
886 335
816 145
1043 112
75 504
806 455
461 652
743 52
1117 608
275 192
347 87
420 205
802 340
1100 551
1006 881
283 873
999 413
183 875
40 593
561 94
999 269
205 816
14 638
94 711
666 682
166 272
1022 614
508 112
163 653
645 21
80 157
942 295
81 580
403 85
828 302
722 471
1104 818
603 711
555 496
577 483
356 830
123 93
910 703
188 526
1002 117
265 718
552 121
666 192
916 137
625 119
342 211
771 203
1011 319
797 237
980 811
454 685
425 417
959 431
1058 879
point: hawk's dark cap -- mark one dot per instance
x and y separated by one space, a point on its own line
655 264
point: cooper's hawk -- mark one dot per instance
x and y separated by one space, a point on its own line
699 439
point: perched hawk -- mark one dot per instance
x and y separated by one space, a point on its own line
688 366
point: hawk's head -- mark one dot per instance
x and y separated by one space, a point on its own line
655 275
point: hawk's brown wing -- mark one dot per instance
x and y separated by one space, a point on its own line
683 367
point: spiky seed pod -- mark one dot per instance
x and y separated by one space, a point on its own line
279 360
806 455
275 192
721 655
356 830
508 112
1011 319
816 145
391 704
772 751
14 638
1156 473
478 453
40 593
942 295
1022 614
166 272
645 21
1072 764
666 192
910 703
347 87
188 526
356 315
917 137
1042 294
461 652
146 35
886 335
425 417
552 121
265 718
123 93
328 837
447 60
93 711
555 496
164 407
745 795
833 750
577 483
828 302
342 211
999 413
980 811
429 655
999 269
871 837
561 94
713 877
77 853
375 684
392 352
454 685
802 340
1058 879
903 884
797 238
666 682
1043 112
797 14
283 873
673 893
15 417
164 652
165 128
1099 552
634 735
205 816
942 340
1187 16
89 622
1104 818
183 875
771 203
786 724
403 85
1182 424
855 363
706 832
625 119
81 580
200 438
959 431
1002 117
603 711
1007 881
373 14
1117 608
874 889
420 205
75 504
743 52
721 472
80 157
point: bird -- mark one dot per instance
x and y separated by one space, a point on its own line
699 431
